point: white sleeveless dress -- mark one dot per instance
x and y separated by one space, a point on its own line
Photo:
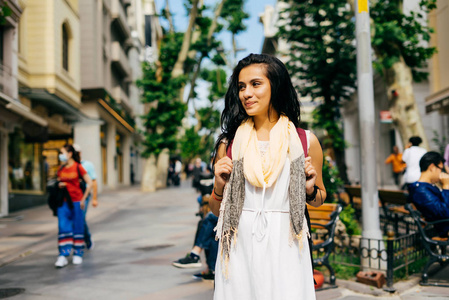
265 263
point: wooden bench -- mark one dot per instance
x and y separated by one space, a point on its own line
324 217
393 202
434 245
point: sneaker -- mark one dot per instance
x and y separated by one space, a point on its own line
209 275
190 261
61 262
77 260
90 246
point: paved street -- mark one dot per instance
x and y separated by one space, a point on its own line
137 236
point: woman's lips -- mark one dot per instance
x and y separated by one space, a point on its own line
249 104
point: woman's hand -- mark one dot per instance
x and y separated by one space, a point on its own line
311 175
223 169
82 203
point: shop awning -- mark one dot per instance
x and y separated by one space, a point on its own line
54 104
438 101
18 108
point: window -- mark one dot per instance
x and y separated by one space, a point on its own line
65 47
25 164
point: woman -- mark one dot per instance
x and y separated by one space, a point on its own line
260 194
70 214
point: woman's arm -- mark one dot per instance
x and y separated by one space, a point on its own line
316 161
88 181
222 170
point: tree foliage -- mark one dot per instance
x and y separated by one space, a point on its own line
322 61
398 35
5 11
161 92
162 84
321 35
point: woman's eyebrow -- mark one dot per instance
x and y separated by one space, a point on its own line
252 80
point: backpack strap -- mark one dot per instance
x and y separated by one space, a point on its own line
302 137
229 150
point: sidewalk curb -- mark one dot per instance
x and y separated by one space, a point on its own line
358 287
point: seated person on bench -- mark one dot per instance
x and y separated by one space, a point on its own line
432 202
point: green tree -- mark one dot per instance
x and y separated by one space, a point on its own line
5 12
320 34
400 44
228 15
163 83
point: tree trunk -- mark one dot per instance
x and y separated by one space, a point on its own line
178 69
168 15
163 161
194 78
210 34
403 108
340 160
149 175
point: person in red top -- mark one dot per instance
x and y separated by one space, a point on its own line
70 214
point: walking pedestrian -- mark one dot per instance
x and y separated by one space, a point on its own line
70 214
90 169
177 172
398 165
196 172
411 156
260 194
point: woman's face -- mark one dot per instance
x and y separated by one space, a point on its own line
65 155
255 90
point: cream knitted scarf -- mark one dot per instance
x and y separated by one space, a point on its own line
249 164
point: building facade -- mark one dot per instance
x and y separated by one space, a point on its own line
45 82
438 99
68 71
112 51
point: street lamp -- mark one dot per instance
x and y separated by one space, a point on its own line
365 92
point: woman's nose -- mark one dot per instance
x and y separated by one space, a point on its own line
248 93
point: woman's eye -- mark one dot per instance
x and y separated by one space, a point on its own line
241 87
256 83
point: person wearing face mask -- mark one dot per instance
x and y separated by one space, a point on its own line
71 220
90 169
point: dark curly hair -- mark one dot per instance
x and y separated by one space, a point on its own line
284 99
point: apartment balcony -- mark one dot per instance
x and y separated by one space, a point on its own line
119 16
6 81
120 59
122 98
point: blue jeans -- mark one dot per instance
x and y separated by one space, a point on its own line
87 236
71 229
206 239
